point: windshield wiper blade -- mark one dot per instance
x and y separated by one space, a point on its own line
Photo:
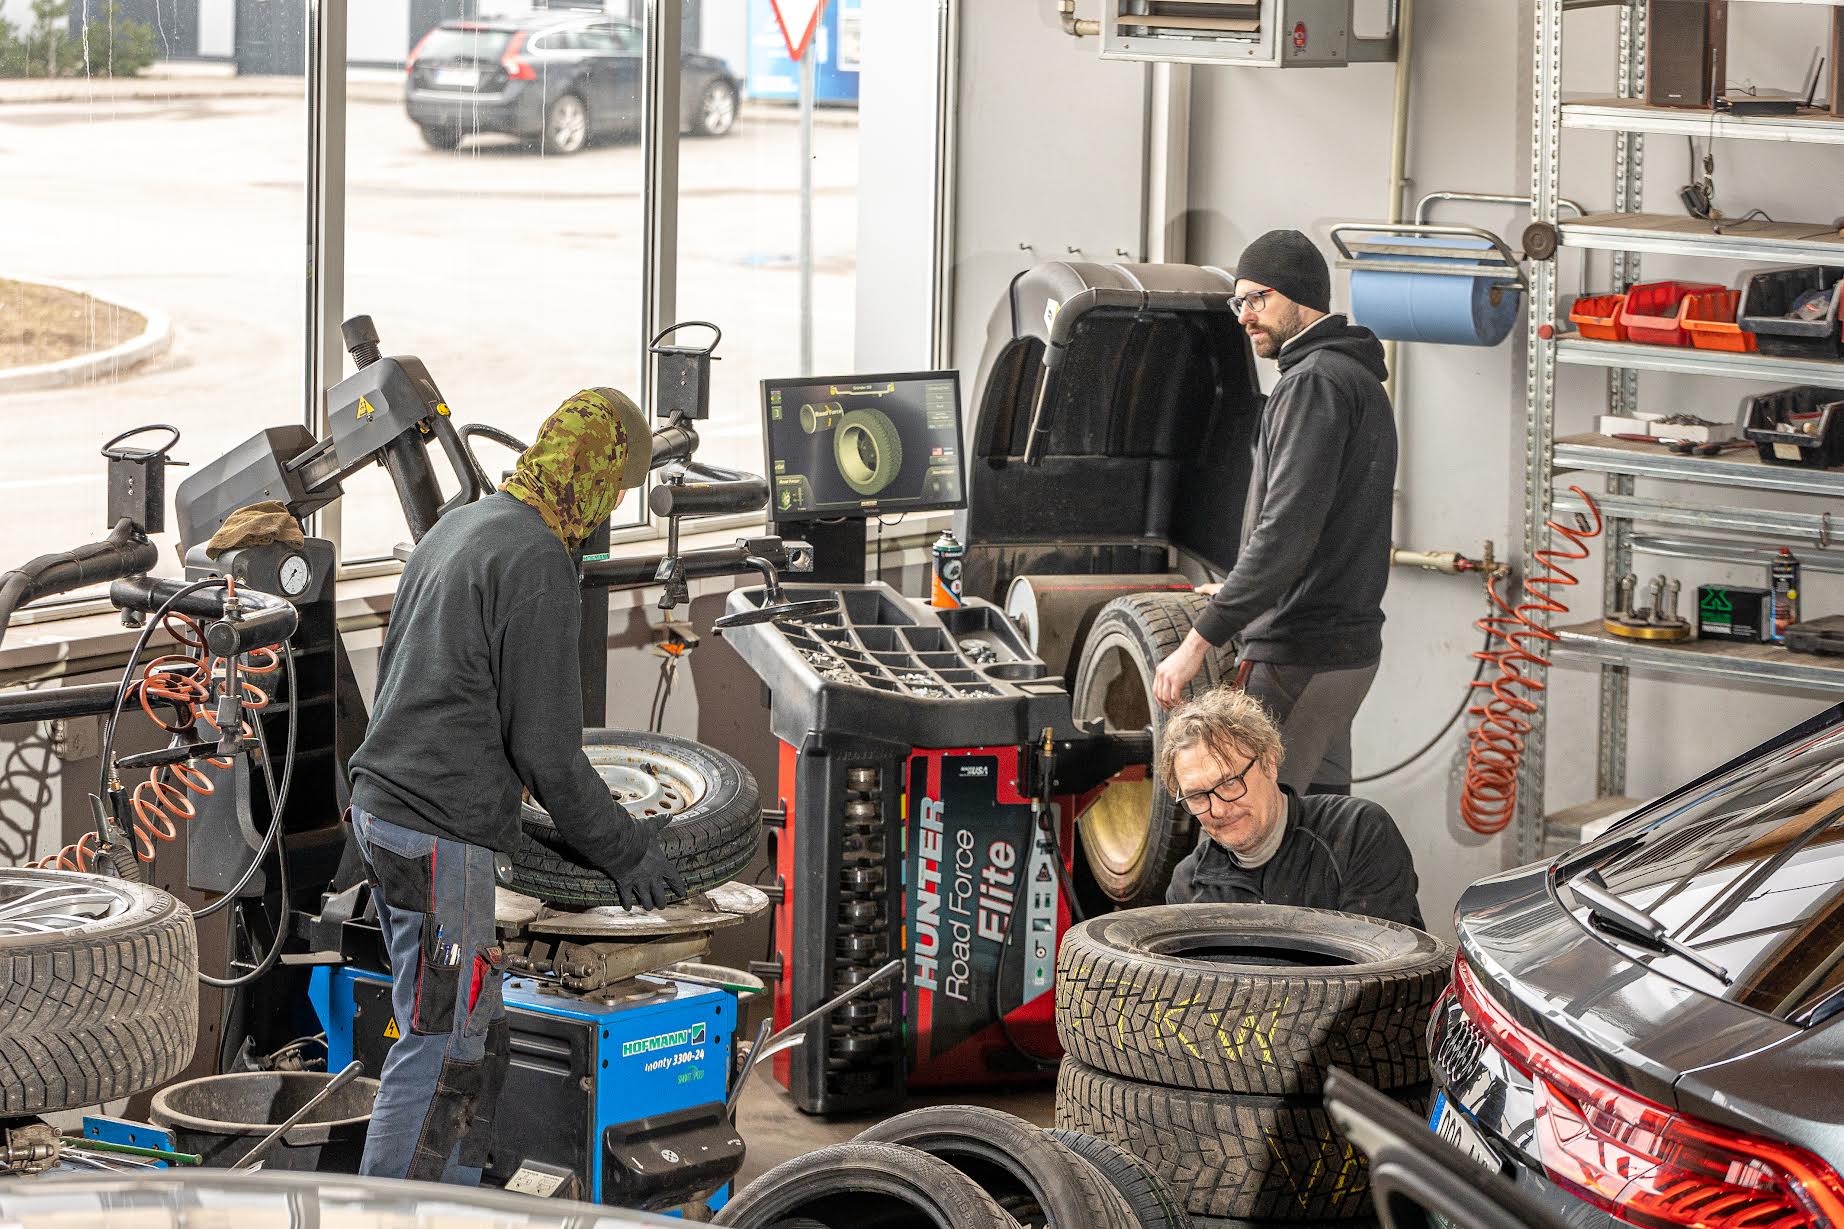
1622 919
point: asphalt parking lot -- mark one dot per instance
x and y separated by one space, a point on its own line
514 276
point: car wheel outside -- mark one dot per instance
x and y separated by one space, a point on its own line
566 126
716 110
439 138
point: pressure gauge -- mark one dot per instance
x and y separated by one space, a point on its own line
294 575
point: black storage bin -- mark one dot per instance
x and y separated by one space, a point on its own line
1820 408
1768 297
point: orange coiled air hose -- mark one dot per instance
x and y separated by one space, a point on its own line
186 683
1496 743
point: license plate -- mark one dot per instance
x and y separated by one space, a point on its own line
1452 1125
458 78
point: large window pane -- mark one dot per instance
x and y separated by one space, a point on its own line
740 204
493 219
173 200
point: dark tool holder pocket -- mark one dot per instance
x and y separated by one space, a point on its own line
483 975
404 882
438 981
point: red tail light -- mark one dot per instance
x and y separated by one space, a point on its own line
1645 1163
517 69
409 65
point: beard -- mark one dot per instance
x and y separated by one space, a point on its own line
1269 336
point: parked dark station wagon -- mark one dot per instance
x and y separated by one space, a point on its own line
558 79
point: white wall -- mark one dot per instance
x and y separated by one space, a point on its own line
1051 151
1307 148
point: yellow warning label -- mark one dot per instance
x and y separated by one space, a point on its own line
366 408
390 1029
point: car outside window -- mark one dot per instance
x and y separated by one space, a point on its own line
598 38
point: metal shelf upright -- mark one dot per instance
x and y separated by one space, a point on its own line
1626 232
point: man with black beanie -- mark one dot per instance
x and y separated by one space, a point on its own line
1305 598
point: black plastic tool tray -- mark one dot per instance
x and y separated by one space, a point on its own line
900 669
1823 407
1769 296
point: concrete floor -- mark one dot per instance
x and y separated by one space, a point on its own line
775 1131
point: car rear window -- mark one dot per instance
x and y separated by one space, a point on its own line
1747 867
464 43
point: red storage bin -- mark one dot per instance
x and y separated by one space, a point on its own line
1597 316
1651 311
1709 317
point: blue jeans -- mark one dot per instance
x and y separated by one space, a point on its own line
441 1079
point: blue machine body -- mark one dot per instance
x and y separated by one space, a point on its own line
639 1059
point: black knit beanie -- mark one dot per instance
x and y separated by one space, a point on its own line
1289 262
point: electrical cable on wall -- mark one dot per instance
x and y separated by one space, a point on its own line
1466 701
1489 801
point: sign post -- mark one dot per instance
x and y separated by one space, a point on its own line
798 34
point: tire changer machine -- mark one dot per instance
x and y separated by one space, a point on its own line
620 1072
931 771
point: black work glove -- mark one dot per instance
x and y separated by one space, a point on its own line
653 882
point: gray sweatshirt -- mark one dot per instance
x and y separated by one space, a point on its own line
480 692
1307 587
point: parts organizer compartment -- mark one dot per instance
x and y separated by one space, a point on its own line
1769 300
1651 311
1796 426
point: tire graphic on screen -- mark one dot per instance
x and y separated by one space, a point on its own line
822 417
869 451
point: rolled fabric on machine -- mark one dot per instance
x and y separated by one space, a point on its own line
1445 308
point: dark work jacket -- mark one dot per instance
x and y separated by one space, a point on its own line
480 693
1339 852
1307 588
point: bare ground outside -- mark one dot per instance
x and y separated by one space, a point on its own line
46 324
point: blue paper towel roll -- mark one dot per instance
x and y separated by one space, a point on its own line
1436 307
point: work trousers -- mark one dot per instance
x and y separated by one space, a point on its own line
1313 710
433 1116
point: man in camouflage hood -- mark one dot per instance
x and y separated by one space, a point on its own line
480 697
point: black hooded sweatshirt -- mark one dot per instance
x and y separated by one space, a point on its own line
1307 588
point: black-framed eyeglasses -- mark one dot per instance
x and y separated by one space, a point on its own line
1253 301
1229 789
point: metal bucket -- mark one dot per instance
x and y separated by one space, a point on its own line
221 1117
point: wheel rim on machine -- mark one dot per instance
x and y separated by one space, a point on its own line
32 906
859 458
646 782
1114 828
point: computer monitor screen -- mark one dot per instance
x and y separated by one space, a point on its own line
863 445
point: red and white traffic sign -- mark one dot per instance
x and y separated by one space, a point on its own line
802 16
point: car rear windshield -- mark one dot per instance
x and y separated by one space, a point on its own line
464 43
1747 866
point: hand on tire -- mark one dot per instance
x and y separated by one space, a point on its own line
654 882
1176 671
1208 590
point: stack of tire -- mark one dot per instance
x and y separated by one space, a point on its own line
1199 1037
959 1167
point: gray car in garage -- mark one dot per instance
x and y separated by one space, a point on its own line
1650 1030
558 79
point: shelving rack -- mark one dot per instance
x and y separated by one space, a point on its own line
1628 233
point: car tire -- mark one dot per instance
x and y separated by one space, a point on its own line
1134 835
849 1184
436 137
1152 1202
717 108
1035 1177
566 126
1226 1155
868 449
96 1009
715 806
1258 999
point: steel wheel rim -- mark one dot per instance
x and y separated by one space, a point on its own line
854 441
569 124
646 782
719 110
35 907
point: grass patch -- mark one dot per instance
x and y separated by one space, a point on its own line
44 324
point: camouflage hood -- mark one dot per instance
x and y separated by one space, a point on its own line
595 446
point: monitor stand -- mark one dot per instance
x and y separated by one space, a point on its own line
838 549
